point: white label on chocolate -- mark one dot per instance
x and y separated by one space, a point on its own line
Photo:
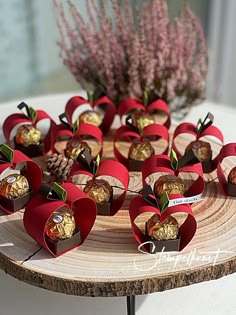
57 219
11 179
181 201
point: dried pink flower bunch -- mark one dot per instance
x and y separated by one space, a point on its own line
126 53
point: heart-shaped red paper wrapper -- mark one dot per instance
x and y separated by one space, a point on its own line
186 231
84 131
39 210
107 105
16 119
33 172
152 132
189 128
110 168
226 187
131 104
162 164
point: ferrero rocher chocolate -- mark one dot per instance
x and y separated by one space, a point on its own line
74 147
91 117
142 120
201 149
27 135
170 184
14 186
99 190
140 150
60 225
162 231
232 176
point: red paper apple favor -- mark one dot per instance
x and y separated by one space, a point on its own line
227 187
171 165
86 165
32 117
131 104
80 132
187 230
104 103
40 208
11 160
202 129
153 133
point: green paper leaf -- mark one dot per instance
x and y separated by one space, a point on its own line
145 98
174 160
61 192
32 114
90 97
199 125
7 152
164 202
75 126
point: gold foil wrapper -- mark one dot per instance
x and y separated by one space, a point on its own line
170 184
201 149
140 150
99 190
91 117
14 186
74 147
60 225
28 135
142 120
163 231
232 176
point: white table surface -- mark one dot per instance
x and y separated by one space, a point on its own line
216 297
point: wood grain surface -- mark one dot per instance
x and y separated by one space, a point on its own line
109 263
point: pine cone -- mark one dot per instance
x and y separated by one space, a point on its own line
59 167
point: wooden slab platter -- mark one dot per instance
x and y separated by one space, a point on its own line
109 263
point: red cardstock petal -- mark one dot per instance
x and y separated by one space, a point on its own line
162 164
190 128
187 230
130 104
13 120
109 112
155 131
116 170
40 209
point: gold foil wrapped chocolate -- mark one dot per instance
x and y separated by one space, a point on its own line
162 231
232 176
201 149
140 150
28 135
74 147
142 120
91 117
170 184
14 186
60 225
99 190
